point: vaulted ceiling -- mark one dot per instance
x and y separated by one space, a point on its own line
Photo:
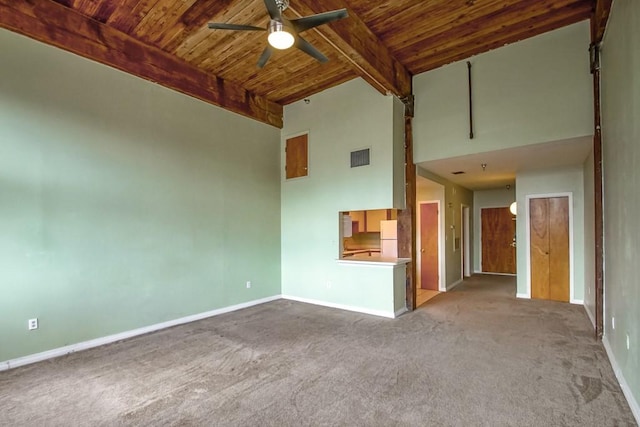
385 42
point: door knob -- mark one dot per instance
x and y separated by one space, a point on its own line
422 250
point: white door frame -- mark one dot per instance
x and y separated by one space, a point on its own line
441 268
465 268
528 197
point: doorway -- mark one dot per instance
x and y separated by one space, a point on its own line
429 251
549 246
498 230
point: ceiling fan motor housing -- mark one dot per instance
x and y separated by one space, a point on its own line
282 4
281 35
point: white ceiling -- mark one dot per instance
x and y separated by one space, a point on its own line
502 165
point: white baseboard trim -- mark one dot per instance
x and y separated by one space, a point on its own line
591 316
633 403
388 314
400 312
85 345
453 285
523 296
577 301
497 274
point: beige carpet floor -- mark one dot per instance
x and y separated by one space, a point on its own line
475 356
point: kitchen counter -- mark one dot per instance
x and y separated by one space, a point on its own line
353 252
360 259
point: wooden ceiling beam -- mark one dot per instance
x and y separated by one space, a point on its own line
57 25
472 43
360 46
599 19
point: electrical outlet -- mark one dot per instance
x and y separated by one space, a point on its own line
248 284
628 342
613 322
33 324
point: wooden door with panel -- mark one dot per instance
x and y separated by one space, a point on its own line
498 232
549 248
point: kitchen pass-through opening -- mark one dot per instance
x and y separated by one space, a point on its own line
369 234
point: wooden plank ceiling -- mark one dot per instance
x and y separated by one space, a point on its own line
385 42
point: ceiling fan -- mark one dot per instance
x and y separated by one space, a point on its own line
283 32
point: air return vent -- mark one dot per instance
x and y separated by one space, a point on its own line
360 158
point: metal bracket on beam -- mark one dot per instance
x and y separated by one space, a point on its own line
408 102
594 57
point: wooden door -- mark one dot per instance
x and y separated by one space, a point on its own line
429 246
498 231
549 245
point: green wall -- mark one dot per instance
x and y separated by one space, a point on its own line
124 204
533 91
621 163
345 118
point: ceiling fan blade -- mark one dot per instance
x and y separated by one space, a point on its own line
273 9
217 26
308 48
266 54
302 24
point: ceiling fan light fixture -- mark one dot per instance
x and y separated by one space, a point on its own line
279 37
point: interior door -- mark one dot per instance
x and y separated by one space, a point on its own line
498 232
549 247
429 246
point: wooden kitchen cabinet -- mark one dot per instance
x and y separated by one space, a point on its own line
369 221
358 221
374 218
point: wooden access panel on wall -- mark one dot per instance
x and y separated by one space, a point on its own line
498 232
297 155
549 247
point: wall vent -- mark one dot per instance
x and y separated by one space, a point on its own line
458 172
360 158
